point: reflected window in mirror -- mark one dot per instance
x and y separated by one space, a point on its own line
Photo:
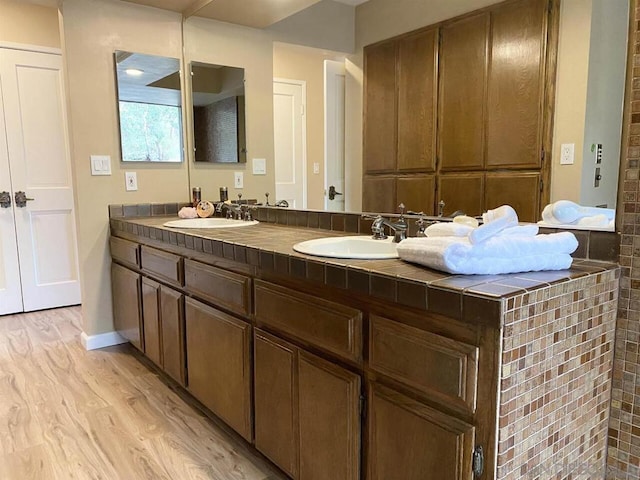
149 107
218 98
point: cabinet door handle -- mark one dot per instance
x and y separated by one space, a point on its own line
22 199
5 199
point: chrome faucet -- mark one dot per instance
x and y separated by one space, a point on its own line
399 228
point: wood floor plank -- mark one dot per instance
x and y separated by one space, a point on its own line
33 464
121 448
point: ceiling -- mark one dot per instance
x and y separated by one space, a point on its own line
251 13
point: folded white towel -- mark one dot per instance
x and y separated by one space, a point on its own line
594 221
466 220
447 229
567 212
494 222
499 254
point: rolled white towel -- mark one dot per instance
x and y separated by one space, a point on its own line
593 221
529 230
466 220
500 254
495 221
448 229
568 212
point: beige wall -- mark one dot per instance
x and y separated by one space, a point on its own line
571 96
93 29
29 24
293 62
220 43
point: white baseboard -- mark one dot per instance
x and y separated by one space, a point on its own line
92 342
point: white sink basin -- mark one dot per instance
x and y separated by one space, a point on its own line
363 247
209 223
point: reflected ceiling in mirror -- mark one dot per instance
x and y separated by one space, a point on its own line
149 106
218 99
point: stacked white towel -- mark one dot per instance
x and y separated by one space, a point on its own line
565 212
500 245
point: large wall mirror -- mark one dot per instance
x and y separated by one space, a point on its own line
150 107
218 99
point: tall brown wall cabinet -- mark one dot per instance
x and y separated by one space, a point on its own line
459 112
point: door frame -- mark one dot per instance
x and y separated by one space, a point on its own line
303 85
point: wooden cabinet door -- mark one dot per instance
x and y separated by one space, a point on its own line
520 190
218 362
172 333
151 320
516 85
379 194
417 79
411 441
125 286
276 401
329 419
464 192
380 107
417 192
463 79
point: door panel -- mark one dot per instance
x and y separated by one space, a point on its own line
440 444
172 311
378 194
514 128
463 192
125 290
463 77
329 416
39 157
334 119
416 101
417 193
380 108
151 320
520 190
289 143
10 287
218 364
276 401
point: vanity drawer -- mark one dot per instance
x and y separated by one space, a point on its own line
125 251
226 289
442 368
162 265
327 325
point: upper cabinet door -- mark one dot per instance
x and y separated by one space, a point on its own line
417 91
516 85
463 81
380 108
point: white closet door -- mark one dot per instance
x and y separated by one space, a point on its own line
40 164
10 289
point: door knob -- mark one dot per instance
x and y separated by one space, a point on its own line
5 199
22 199
333 193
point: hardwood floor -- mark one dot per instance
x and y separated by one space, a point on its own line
66 413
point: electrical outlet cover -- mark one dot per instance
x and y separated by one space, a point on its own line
566 153
238 180
131 181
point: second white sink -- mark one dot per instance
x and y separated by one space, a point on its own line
210 222
359 246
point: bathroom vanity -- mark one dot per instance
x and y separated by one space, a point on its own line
377 369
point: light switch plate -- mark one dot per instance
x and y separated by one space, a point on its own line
131 181
100 165
316 168
238 180
259 166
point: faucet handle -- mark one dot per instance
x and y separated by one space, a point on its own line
422 226
401 207
267 202
441 205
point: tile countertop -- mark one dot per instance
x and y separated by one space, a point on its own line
270 247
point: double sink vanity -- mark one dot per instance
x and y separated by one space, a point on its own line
342 368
